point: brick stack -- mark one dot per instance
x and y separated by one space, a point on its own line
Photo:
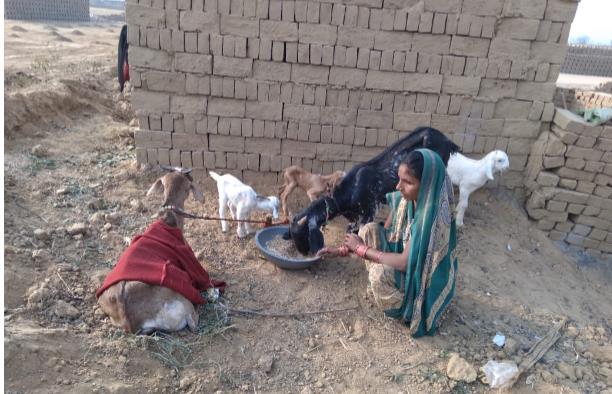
576 100
252 86
572 193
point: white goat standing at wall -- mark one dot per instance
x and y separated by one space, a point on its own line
469 175
241 200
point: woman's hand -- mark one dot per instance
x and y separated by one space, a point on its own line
353 241
328 251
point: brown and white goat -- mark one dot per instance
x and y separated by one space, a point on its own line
313 184
140 307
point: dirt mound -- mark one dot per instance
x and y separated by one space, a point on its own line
59 37
54 104
18 28
77 33
19 80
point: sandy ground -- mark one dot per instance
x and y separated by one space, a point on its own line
61 94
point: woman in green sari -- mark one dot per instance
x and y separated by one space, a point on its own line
411 260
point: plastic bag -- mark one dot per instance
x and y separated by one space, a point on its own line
500 374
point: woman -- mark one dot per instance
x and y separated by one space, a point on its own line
410 260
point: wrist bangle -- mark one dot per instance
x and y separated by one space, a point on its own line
362 250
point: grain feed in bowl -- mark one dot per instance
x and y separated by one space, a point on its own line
283 248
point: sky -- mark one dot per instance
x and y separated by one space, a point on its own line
593 19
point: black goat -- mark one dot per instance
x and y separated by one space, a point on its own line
363 188
123 67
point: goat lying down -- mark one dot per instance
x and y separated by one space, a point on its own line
242 201
363 188
158 279
313 184
469 175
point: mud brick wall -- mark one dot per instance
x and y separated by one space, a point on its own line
252 86
61 10
575 99
570 178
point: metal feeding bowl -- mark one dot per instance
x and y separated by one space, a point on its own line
266 235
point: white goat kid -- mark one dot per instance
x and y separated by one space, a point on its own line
241 200
469 175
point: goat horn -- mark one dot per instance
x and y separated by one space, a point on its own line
176 169
302 221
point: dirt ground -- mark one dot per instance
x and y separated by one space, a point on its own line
71 203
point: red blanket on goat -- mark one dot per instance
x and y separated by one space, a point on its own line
162 257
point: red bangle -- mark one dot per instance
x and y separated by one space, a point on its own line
362 250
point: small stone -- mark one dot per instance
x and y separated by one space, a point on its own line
77 228
137 205
62 191
96 205
64 310
460 370
580 346
107 227
265 363
39 151
114 218
133 122
96 218
548 377
567 370
41 255
511 346
319 384
572 331
579 373
42 235
38 296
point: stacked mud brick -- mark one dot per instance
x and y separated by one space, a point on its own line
576 99
571 180
252 86
60 10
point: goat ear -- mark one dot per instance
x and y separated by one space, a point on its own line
489 169
196 193
157 187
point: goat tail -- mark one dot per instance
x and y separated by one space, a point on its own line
214 176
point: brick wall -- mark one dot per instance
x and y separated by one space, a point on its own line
575 99
62 10
252 86
570 179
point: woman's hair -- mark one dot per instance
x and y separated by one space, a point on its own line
414 162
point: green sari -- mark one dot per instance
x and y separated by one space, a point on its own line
429 281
